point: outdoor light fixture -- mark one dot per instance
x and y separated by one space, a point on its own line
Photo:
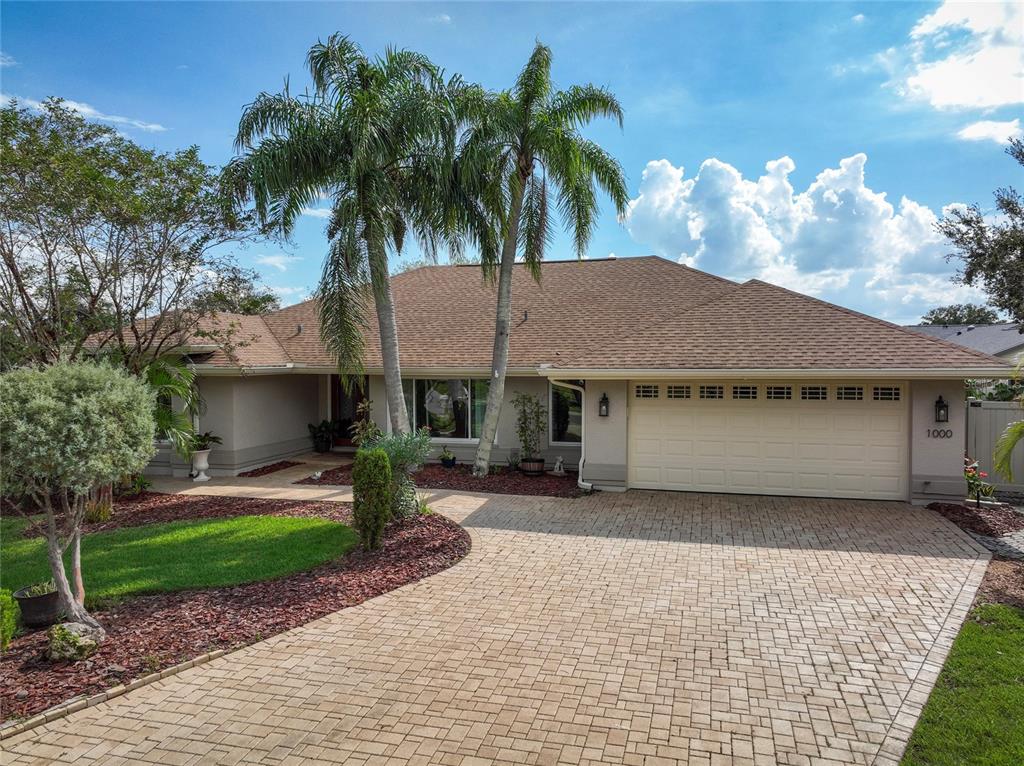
941 410
602 406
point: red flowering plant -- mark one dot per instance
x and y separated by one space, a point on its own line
977 487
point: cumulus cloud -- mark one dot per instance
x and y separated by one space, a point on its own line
279 262
992 130
858 18
967 55
316 212
7 60
289 295
91 113
838 238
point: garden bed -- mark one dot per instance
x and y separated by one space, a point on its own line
267 469
461 478
991 521
149 633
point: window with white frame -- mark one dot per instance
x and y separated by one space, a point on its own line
814 393
646 391
566 414
451 408
849 393
712 392
778 392
677 391
886 393
744 392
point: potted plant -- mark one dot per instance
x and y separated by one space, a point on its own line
447 458
322 435
201 444
39 603
531 418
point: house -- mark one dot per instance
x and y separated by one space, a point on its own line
1004 340
656 376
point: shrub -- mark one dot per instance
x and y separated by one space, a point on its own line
372 490
10 613
406 454
531 420
98 511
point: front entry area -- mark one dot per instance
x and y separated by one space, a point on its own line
815 439
345 407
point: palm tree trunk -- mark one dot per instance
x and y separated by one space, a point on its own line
502 328
388 340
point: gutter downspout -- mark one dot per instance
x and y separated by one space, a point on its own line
584 485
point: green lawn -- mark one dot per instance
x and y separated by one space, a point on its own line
181 554
975 714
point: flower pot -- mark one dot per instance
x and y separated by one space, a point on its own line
200 464
38 611
448 462
532 466
322 446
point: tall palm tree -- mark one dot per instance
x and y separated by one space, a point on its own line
524 146
377 138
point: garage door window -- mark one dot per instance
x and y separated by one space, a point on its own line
677 392
646 391
814 393
778 392
849 393
744 392
712 392
886 393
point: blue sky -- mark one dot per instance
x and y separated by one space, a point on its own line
811 145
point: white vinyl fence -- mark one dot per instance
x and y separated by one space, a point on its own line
986 422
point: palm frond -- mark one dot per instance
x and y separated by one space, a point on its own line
342 296
580 104
1002 456
533 85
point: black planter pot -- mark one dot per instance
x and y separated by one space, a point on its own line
38 611
448 462
532 467
322 445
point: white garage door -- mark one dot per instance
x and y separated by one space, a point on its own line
813 439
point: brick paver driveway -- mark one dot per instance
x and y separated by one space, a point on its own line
639 628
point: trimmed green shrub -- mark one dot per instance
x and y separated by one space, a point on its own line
10 613
372 490
406 454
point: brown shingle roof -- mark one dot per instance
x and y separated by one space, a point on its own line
630 313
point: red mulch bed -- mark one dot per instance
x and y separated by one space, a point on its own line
154 508
991 521
1003 583
272 468
461 478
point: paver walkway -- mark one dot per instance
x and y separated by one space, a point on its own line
637 628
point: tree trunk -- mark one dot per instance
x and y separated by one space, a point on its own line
388 340
76 567
73 610
502 329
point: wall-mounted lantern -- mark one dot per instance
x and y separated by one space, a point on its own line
602 406
941 410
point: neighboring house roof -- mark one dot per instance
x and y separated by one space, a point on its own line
609 314
992 339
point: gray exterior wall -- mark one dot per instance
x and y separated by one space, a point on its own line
505 442
607 439
936 464
260 418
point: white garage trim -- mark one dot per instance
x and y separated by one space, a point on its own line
845 438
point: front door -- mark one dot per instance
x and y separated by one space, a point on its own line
344 406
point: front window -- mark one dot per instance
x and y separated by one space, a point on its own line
451 408
566 415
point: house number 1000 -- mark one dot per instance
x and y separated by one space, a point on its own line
940 433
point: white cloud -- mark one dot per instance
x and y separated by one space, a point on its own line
279 262
838 238
289 295
91 113
316 212
181 66
858 19
992 130
966 55
441 18
7 60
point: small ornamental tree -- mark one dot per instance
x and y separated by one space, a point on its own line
66 430
371 491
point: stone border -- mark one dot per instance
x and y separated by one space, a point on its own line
64 709
897 736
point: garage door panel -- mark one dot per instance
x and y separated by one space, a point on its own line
799 447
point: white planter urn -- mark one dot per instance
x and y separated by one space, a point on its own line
200 464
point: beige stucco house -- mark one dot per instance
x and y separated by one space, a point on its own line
656 376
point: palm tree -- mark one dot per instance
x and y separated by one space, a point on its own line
172 379
377 138
1002 457
525 143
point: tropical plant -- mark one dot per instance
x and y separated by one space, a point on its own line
323 434
371 492
10 613
1002 456
64 431
531 417
977 487
204 441
525 150
364 427
176 400
376 137
406 454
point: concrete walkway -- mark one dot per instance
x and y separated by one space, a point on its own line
638 628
